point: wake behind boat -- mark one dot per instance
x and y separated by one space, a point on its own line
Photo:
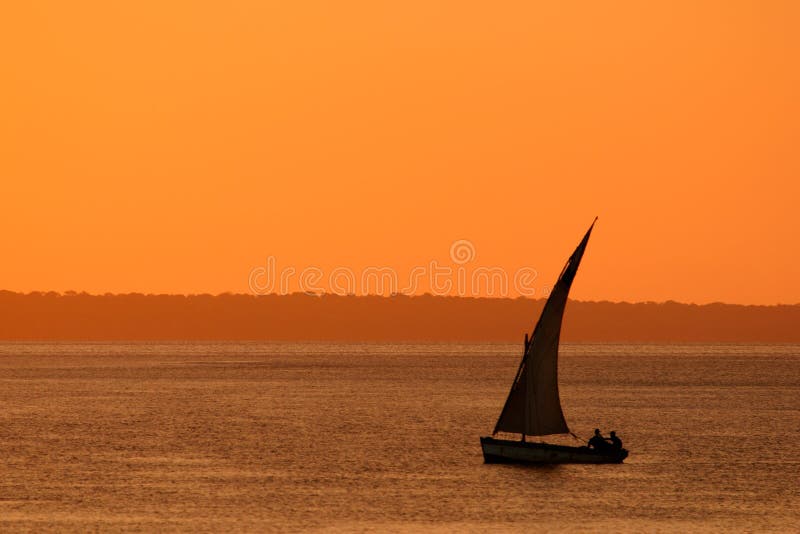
533 406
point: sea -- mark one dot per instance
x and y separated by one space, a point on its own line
288 437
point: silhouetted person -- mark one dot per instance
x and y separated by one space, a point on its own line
598 442
616 443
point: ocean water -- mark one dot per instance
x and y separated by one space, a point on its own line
377 437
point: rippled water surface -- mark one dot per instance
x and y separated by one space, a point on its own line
222 437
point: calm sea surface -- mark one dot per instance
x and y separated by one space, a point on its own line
289 437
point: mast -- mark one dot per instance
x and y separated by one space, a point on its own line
533 406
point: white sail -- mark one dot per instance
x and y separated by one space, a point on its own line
533 406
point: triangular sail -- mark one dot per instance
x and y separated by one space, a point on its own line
533 406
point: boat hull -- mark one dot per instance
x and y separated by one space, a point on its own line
496 451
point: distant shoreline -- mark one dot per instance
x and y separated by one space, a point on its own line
298 317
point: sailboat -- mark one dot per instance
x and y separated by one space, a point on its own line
533 406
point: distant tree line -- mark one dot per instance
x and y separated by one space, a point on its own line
134 316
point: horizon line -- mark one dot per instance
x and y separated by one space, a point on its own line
73 293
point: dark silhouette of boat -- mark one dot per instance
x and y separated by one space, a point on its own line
533 406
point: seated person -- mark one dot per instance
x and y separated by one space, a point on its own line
598 442
616 443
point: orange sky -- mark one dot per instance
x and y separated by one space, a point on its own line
173 146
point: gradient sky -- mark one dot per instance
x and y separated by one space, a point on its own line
173 146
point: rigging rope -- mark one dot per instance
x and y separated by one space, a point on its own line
576 437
